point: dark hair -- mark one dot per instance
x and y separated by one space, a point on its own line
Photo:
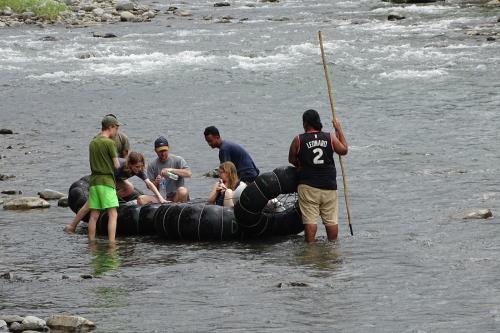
211 130
311 118
134 158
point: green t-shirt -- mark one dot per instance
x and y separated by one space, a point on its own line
102 150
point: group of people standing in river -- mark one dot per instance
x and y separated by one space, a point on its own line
311 152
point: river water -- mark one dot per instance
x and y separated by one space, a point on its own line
418 100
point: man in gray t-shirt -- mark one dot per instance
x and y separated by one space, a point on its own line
167 172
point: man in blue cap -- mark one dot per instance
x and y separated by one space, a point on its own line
170 171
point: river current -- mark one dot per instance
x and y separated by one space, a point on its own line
417 98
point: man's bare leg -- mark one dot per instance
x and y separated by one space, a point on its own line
332 231
94 215
78 217
112 217
310 232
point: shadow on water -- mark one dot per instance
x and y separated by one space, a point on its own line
104 258
322 256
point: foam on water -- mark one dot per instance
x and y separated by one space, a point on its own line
272 62
413 74
416 9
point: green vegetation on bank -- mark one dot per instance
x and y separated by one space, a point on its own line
49 9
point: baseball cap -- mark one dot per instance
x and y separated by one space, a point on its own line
161 143
110 120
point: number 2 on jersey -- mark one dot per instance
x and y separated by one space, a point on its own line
318 152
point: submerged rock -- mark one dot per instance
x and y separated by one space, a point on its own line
479 213
3 326
5 177
183 13
63 202
221 4
6 131
48 39
50 195
103 35
395 17
213 173
26 203
69 323
12 192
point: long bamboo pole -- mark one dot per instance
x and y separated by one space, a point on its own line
330 96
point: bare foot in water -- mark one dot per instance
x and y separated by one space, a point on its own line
69 228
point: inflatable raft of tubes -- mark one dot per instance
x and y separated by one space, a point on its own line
251 218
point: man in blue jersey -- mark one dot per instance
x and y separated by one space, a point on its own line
230 151
312 153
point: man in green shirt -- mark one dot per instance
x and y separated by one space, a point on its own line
103 158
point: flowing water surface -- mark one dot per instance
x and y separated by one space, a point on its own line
418 100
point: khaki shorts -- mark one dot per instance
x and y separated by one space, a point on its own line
314 202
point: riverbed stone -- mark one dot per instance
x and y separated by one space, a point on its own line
6 131
183 12
5 177
33 323
12 192
103 35
16 327
127 16
149 14
395 17
126 5
9 319
6 11
48 39
26 203
88 6
63 202
48 194
98 11
473 213
69 323
214 173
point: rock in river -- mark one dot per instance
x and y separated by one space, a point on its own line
69 323
478 213
26 203
50 195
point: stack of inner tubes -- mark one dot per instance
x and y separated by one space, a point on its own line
204 222
249 211
196 222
